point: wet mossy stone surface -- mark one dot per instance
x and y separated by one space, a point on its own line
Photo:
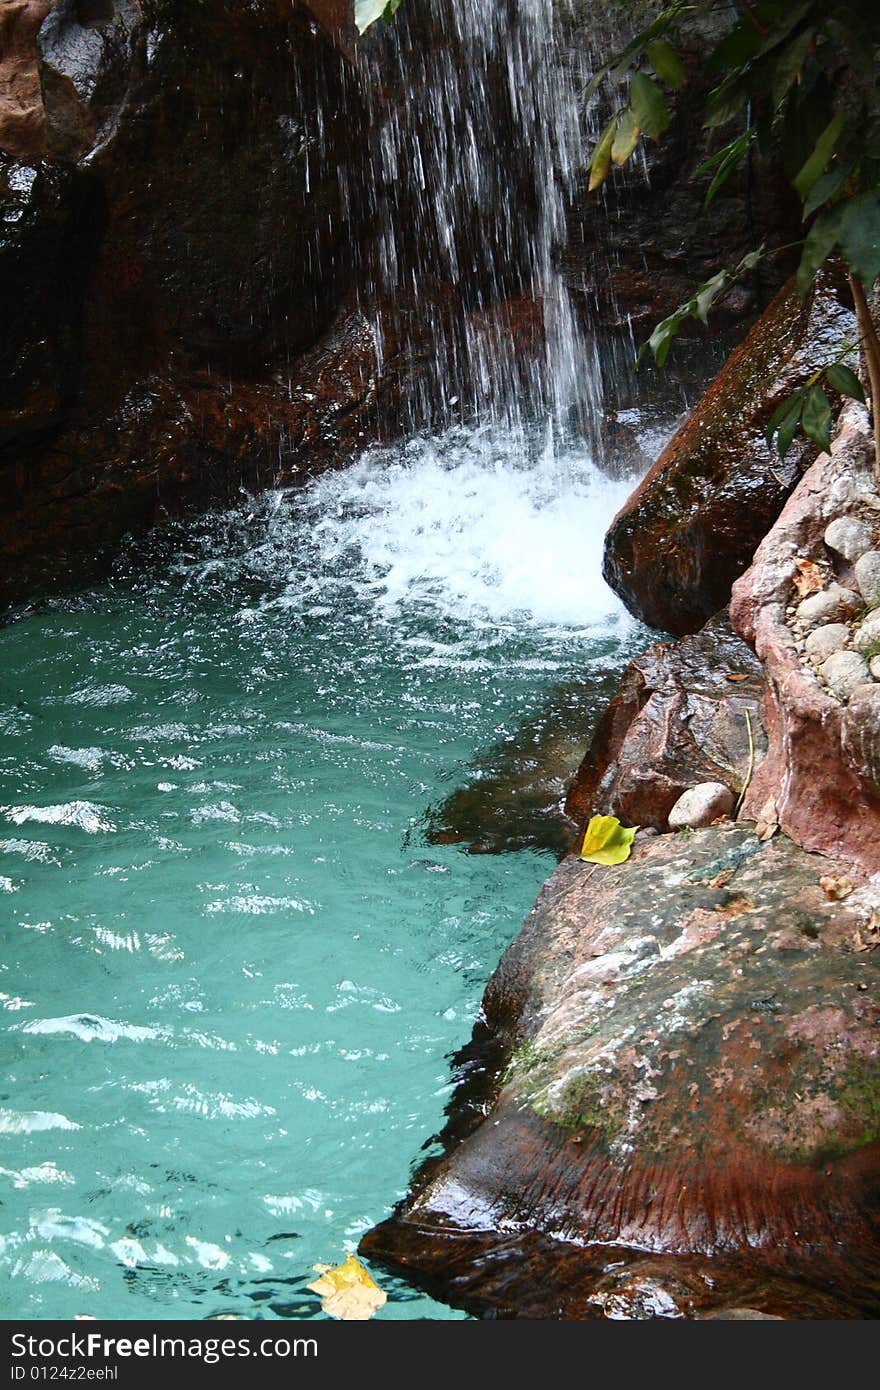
688 1103
693 524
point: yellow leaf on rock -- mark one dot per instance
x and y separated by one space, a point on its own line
347 1291
809 578
606 841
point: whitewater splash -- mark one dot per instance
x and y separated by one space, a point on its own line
484 531
475 525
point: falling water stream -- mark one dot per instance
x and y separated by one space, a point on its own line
233 970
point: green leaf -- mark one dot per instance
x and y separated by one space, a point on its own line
606 841
859 234
822 152
600 164
816 418
784 422
727 101
791 405
366 12
733 157
660 340
844 381
790 62
820 242
826 186
666 63
735 49
707 294
648 105
626 139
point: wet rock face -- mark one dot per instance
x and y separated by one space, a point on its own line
204 126
691 1044
177 239
181 440
681 717
51 220
820 779
693 524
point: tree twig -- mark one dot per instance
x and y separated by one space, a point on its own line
871 348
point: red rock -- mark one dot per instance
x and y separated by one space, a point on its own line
21 101
676 721
694 522
820 774
686 1118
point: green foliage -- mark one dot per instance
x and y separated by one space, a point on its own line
697 307
801 79
366 12
809 408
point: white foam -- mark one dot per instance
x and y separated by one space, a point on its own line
83 814
90 1028
32 1121
479 524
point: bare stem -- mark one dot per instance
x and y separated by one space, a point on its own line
871 347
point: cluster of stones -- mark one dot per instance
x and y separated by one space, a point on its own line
837 629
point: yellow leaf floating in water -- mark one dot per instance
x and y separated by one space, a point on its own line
347 1291
606 841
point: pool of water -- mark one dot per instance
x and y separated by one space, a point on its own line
232 970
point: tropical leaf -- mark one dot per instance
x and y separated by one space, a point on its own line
816 418
366 12
347 1291
859 235
730 157
648 105
784 422
818 245
822 151
790 62
626 138
600 164
666 63
844 381
606 841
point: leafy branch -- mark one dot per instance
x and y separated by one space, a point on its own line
803 79
366 12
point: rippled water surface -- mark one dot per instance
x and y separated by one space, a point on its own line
233 972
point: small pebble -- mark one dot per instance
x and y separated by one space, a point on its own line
845 672
701 805
870 691
866 638
828 606
823 641
849 537
868 576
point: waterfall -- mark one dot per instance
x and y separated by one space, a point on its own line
476 139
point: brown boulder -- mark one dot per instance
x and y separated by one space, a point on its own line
821 777
687 1120
681 716
21 101
694 522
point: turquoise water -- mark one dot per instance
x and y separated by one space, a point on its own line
233 972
